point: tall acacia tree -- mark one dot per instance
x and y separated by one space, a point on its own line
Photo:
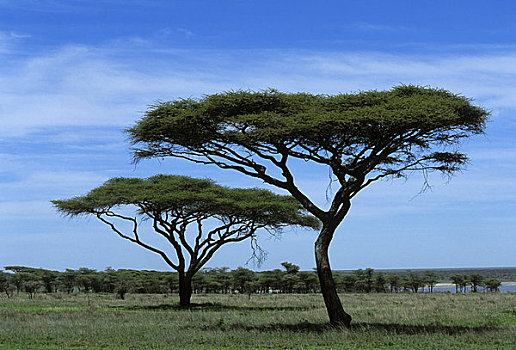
195 216
360 137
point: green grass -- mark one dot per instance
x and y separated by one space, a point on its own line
381 321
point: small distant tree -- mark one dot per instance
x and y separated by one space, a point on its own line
68 280
364 280
180 210
394 281
3 280
48 279
17 278
26 279
459 281
31 283
87 278
289 282
492 284
414 282
309 280
222 277
172 281
359 138
128 280
109 280
379 282
5 284
431 280
212 285
270 281
475 280
243 280
290 268
150 282
120 291
346 282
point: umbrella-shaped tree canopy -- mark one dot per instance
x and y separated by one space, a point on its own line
173 203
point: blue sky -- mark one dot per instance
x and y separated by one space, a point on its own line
74 74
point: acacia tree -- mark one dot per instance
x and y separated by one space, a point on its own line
460 282
5 284
361 138
475 280
195 216
492 284
431 279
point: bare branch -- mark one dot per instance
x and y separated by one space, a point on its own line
136 239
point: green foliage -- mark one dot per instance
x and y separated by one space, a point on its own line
379 283
475 280
431 279
492 284
361 137
242 280
413 282
387 132
290 268
6 285
504 274
171 204
395 282
121 291
460 282
185 196
224 281
271 116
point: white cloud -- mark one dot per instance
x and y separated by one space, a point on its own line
47 185
78 86
27 198
8 40
12 36
23 210
185 32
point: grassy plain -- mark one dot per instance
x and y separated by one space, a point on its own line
381 321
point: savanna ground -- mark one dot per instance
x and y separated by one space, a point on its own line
381 321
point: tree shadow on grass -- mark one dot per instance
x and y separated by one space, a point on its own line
387 328
305 327
206 307
311 327
396 328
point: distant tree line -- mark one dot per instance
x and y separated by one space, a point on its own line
501 273
474 281
370 281
223 280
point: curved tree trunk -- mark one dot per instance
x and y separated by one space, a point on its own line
185 290
338 317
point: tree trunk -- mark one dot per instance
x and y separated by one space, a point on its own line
185 290
338 317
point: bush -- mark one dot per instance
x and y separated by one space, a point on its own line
120 292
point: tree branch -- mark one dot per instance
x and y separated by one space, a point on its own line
136 239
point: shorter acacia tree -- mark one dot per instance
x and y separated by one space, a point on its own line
179 209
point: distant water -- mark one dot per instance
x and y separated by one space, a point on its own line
504 288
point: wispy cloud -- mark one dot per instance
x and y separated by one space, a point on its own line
12 36
373 27
59 6
9 39
78 85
